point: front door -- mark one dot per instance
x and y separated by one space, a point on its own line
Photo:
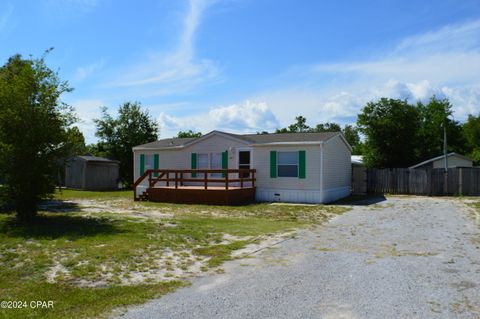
244 159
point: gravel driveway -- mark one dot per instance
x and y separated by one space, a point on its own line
406 257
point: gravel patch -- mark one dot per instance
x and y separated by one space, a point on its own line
406 257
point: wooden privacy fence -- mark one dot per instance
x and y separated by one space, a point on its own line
432 182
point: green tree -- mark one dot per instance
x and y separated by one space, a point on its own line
390 129
327 127
118 135
352 136
189 133
75 141
349 131
471 131
433 116
33 132
298 127
97 149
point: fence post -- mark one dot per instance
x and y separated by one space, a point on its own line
460 181
226 180
205 179
430 182
445 183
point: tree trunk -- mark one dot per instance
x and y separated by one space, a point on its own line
26 211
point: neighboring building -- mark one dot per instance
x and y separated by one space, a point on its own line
357 160
359 175
91 173
291 167
454 160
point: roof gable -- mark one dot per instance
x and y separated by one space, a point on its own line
234 137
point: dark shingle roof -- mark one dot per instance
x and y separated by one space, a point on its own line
249 138
285 137
168 142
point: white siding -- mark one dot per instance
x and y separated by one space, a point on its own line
288 189
181 158
337 169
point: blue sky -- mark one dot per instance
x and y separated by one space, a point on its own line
250 65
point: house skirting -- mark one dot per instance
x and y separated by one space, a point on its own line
333 194
301 196
288 195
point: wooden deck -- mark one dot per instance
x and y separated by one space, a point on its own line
198 195
212 187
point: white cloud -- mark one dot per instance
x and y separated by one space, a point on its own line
443 62
438 68
6 16
465 100
87 110
85 71
452 37
179 70
244 117
248 117
343 106
449 54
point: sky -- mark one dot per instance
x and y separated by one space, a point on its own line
244 66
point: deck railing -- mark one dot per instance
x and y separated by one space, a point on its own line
179 177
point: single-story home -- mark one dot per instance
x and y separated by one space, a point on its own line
91 173
454 160
291 167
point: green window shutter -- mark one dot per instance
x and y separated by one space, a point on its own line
155 163
301 164
273 164
142 164
194 163
224 161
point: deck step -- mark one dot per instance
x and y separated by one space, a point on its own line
143 197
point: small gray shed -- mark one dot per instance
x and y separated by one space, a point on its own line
91 173
454 160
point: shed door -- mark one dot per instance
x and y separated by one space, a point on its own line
244 161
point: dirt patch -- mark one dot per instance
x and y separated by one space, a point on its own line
164 265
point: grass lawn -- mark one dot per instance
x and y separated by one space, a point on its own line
92 252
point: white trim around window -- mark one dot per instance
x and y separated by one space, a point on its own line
287 163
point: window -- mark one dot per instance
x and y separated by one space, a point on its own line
287 164
202 162
244 162
149 161
216 163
